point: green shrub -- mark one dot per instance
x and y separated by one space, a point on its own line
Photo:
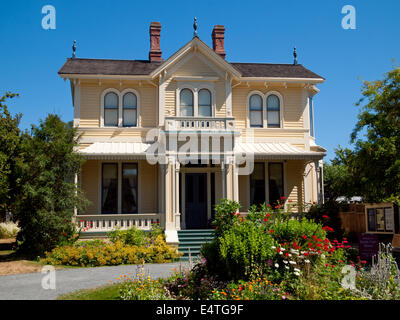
132 236
99 253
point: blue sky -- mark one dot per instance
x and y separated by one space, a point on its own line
256 31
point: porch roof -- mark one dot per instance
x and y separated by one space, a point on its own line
261 150
116 150
277 151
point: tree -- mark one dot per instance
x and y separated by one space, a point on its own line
48 194
372 168
375 161
10 136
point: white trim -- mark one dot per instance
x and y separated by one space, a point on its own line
102 96
280 79
121 106
194 78
248 109
281 107
120 95
195 88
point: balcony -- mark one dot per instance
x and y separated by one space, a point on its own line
199 123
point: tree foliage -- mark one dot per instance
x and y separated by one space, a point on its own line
372 168
9 154
48 193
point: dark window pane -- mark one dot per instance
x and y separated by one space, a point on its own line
275 175
129 187
111 109
273 111
109 188
189 188
257 184
256 115
202 184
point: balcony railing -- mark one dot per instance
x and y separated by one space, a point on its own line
108 222
199 123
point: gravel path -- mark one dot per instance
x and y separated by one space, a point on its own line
28 286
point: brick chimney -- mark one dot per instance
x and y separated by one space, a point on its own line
218 36
155 50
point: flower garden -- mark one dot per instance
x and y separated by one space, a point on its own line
269 255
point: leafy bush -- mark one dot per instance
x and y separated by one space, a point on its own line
132 236
8 230
97 253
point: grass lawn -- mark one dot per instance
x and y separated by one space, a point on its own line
107 292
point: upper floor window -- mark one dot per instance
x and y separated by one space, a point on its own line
111 109
120 108
311 110
273 111
129 110
186 103
204 103
256 113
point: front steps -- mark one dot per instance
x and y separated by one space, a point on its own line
192 240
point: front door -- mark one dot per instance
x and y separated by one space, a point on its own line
196 200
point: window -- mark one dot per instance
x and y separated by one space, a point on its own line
275 175
204 103
256 114
257 184
129 110
109 202
129 187
186 103
273 111
311 110
111 109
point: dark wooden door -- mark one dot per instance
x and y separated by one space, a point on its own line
196 200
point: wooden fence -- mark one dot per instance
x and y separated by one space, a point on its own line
352 218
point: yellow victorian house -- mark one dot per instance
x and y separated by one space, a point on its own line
166 139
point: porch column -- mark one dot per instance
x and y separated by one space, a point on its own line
318 176
235 176
169 203
177 209
223 173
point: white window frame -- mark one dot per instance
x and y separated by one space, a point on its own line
280 97
120 95
121 107
195 88
248 108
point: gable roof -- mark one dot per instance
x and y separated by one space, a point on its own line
108 67
81 66
271 70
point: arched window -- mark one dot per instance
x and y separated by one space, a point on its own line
129 110
186 103
256 113
111 109
204 103
273 111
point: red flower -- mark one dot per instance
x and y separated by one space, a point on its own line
363 262
283 198
267 215
271 231
265 219
304 237
325 216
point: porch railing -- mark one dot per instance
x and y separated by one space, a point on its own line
108 222
199 123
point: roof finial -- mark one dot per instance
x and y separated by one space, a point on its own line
195 27
73 49
295 56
